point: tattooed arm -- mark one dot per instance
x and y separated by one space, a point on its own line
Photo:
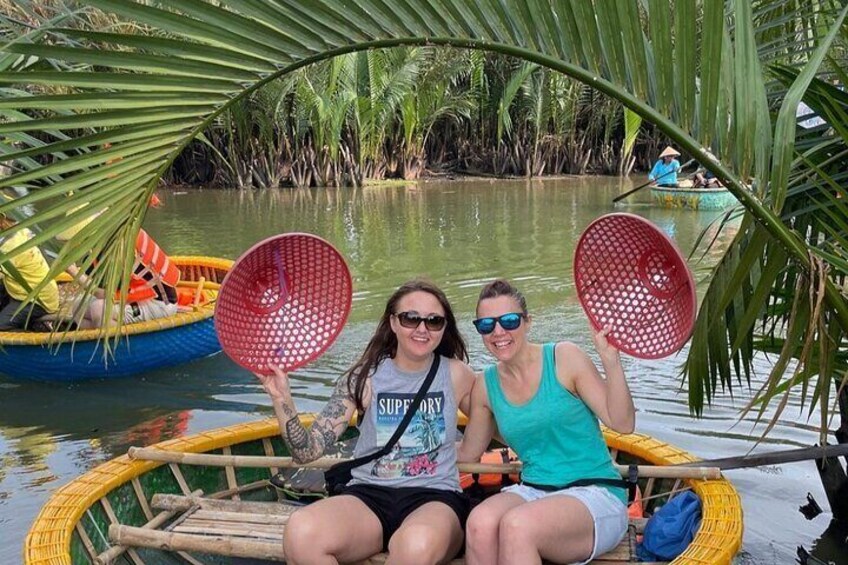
308 444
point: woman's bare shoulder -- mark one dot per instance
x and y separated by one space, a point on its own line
460 370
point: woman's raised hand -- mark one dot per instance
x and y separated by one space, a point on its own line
276 385
608 352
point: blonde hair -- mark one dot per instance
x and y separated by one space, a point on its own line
502 287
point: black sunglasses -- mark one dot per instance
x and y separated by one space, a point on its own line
509 321
433 322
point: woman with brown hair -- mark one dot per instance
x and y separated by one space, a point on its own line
409 501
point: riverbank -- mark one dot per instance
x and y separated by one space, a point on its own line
429 179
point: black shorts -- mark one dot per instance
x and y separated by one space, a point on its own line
393 505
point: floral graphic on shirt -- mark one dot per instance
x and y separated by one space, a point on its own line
415 452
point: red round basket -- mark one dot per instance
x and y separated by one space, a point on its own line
284 302
630 276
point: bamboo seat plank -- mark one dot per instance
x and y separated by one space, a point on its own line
273 528
177 502
218 545
231 524
236 528
230 531
246 517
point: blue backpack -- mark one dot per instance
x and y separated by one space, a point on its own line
671 529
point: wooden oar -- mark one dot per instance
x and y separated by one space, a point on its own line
153 454
640 187
704 469
774 457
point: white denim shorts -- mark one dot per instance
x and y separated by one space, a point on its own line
609 513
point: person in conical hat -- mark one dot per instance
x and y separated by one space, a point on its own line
665 169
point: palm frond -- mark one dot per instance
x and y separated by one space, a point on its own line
149 77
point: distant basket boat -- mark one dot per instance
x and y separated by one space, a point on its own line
141 347
692 198
198 498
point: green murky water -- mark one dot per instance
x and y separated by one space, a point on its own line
460 234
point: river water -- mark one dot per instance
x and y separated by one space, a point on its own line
458 233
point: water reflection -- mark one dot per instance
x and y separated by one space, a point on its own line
831 546
460 234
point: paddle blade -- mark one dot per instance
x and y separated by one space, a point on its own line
630 276
284 302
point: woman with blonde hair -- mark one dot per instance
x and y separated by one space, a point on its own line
546 400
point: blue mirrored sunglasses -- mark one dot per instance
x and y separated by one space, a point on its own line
509 321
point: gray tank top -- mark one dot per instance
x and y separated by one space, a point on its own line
425 455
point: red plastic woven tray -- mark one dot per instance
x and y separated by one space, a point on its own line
284 302
630 276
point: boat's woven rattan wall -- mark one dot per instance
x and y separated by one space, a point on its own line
49 538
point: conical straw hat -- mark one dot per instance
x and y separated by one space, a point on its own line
669 152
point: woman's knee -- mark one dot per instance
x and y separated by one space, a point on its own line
482 526
302 537
418 544
95 312
514 525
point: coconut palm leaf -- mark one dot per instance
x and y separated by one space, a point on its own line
508 97
436 97
773 303
697 76
632 125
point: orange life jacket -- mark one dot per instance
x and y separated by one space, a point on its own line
491 479
155 261
636 509
155 264
139 290
185 296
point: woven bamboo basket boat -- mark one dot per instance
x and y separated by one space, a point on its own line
134 348
692 198
206 499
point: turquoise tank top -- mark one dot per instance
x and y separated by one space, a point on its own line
555 434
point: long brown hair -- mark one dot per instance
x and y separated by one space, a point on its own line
383 343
